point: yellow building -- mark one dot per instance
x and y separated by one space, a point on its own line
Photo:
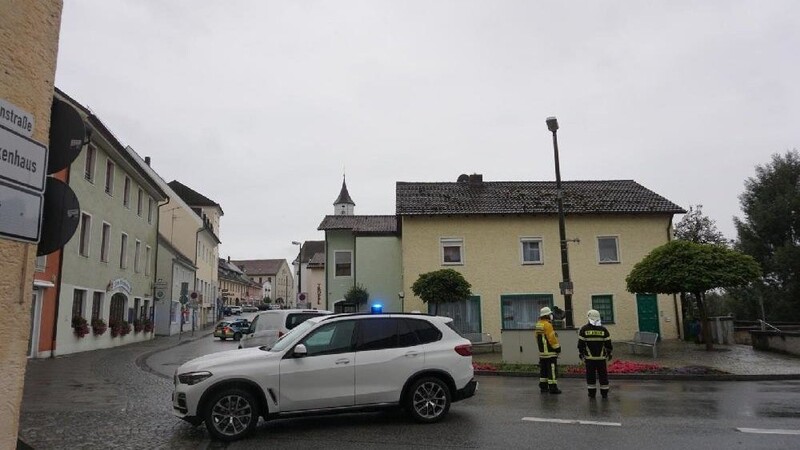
504 238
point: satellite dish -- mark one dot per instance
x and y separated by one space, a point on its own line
60 216
67 136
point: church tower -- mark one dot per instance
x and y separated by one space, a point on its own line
343 206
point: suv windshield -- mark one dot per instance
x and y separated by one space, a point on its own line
289 338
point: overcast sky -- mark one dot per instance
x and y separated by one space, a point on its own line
262 105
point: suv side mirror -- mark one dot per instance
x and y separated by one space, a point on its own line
300 351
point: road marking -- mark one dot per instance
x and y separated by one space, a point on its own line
572 421
767 431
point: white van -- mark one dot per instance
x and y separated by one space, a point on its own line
268 326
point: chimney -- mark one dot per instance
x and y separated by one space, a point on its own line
229 258
147 160
476 178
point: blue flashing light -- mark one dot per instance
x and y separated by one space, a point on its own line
377 308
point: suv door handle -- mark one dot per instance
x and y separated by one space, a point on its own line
342 361
411 354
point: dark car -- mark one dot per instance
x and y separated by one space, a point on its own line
227 311
233 329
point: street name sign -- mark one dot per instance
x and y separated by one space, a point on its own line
23 161
16 118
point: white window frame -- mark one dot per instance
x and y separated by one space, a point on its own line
123 251
616 245
126 193
90 164
102 298
526 239
140 203
150 209
82 306
137 258
350 254
109 186
147 252
88 238
105 242
452 242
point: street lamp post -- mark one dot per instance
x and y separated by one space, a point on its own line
401 295
566 284
299 269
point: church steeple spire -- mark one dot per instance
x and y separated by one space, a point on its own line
343 206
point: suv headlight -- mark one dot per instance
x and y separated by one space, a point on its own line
193 377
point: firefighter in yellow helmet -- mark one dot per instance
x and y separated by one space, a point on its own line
594 348
549 348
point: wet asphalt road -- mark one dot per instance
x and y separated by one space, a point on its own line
505 413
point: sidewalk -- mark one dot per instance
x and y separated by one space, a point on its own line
740 361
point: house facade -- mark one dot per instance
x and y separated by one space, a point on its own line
275 275
315 280
108 266
176 272
503 237
236 287
308 285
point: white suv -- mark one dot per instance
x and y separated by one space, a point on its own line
269 326
340 362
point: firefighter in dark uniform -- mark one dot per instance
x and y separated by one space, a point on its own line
594 348
549 348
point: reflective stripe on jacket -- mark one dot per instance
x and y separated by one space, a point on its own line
594 342
546 339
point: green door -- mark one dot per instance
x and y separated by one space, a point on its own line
647 306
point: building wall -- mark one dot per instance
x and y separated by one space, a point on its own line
492 262
28 57
283 284
379 269
315 283
89 272
168 310
336 240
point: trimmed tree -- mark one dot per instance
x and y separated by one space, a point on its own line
441 286
682 266
357 294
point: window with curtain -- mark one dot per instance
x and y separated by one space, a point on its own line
604 304
466 314
521 311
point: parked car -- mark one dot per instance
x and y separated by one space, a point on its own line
236 309
233 329
249 308
226 311
330 363
269 326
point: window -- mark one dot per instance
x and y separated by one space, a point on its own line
117 309
126 193
88 168
41 263
146 310
86 229
604 304
149 210
466 314
452 250
343 261
147 260
136 313
97 305
531 250
425 331
123 252
521 311
139 202
137 267
78 301
331 338
608 249
105 242
377 334
109 177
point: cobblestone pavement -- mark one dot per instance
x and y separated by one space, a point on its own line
104 399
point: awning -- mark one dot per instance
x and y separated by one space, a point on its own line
42 284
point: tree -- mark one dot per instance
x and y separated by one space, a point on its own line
694 226
683 266
770 232
441 286
357 294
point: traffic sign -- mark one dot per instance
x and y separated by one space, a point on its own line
23 161
20 213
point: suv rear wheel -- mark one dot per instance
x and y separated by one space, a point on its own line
428 400
231 414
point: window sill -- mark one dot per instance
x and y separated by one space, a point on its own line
608 262
532 263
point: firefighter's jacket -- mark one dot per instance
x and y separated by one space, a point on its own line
594 342
546 339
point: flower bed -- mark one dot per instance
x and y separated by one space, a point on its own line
616 367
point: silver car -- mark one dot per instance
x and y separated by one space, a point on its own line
269 326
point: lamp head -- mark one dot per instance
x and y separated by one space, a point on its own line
552 124
296 243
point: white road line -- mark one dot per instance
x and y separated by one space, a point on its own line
569 421
767 431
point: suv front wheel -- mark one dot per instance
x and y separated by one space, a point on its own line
231 414
428 400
